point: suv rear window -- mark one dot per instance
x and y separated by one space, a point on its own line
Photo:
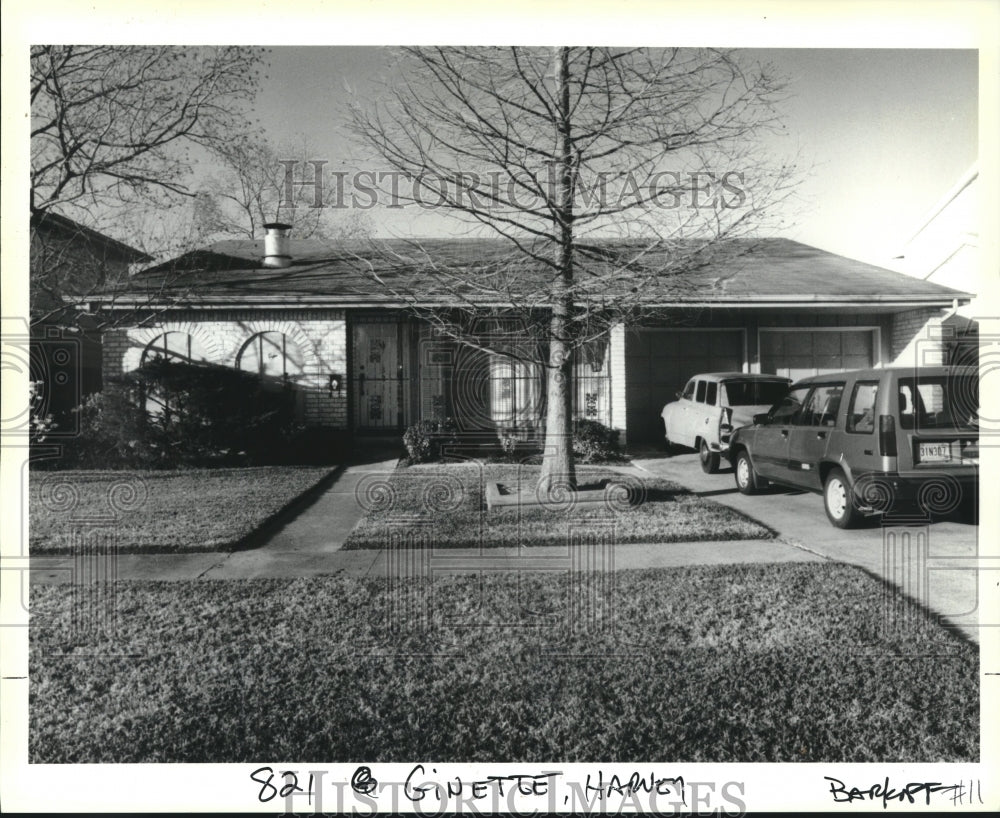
861 415
939 402
755 393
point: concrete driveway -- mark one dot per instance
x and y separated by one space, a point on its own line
936 562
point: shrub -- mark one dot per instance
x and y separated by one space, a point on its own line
423 440
170 413
113 432
593 441
508 445
39 425
515 445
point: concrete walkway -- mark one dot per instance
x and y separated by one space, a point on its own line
307 545
310 545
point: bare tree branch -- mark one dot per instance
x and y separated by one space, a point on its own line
251 190
115 122
114 130
585 161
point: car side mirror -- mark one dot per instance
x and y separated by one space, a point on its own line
762 419
678 394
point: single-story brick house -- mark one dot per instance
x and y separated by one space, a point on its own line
361 362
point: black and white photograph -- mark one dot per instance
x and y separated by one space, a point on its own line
406 412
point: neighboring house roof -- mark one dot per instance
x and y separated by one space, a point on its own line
71 230
967 179
944 247
739 272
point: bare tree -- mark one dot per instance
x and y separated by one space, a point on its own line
609 173
253 187
113 125
115 132
249 191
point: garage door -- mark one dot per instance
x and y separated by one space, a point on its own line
659 362
800 353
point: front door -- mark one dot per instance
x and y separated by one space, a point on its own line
380 375
770 446
810 435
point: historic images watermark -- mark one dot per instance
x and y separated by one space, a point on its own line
89 527
51 358
309 184
413 618
581 566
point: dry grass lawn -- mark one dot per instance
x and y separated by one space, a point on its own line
163 511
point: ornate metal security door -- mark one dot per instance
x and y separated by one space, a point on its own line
380 374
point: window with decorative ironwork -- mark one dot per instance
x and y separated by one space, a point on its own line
272 355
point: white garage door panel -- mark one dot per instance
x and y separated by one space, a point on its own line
800 353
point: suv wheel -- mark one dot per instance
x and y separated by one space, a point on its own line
709 459
746 478
838 500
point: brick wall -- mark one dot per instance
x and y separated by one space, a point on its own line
918 338
318 337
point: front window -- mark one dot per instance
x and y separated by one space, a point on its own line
179 347
754 393
689 391
939 402
174 346
272 355
790 406
514 394
822 407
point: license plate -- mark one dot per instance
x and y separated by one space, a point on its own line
935 452
948 451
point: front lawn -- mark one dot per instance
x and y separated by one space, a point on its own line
162 511
451 499
755 663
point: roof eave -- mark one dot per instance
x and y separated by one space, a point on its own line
779 302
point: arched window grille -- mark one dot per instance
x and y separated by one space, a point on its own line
272 355
170 346
173 345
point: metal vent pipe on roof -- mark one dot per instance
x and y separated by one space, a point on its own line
277 245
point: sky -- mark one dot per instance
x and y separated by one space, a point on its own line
880 134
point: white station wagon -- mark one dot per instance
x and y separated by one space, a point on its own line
712 405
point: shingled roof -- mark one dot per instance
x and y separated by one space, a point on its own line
71 230
737 273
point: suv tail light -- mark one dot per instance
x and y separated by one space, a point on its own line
886 436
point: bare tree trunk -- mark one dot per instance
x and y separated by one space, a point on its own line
558 470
